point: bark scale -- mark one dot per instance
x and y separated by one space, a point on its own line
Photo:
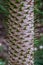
21 32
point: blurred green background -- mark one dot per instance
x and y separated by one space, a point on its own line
38 40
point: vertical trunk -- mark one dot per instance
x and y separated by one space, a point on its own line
21 32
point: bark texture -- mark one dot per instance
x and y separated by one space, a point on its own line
21 32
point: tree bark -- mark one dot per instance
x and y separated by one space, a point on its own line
21 32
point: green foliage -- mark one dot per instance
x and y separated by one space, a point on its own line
38 57
4 7
38 10
4 12
38 54
38 42
2 61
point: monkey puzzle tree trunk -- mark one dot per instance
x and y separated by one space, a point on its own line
21 32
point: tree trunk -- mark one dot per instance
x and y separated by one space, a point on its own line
21 32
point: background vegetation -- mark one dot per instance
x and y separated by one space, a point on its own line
38 40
